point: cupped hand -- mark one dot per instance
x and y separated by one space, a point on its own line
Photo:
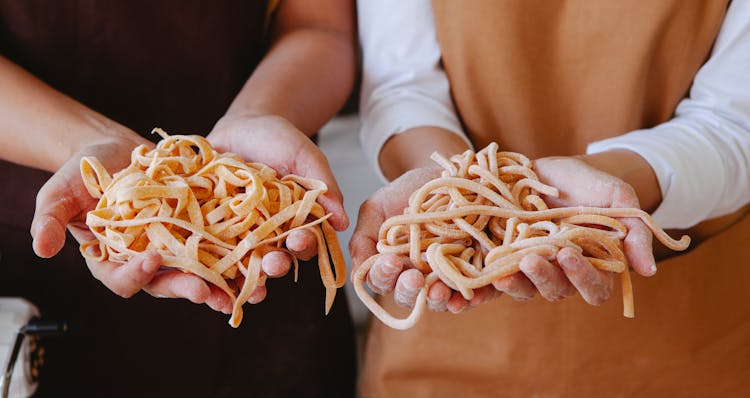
63 202
274 141
394 272
581 184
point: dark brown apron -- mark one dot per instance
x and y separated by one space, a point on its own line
177 65
546 78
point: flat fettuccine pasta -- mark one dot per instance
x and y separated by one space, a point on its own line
207 213
474 224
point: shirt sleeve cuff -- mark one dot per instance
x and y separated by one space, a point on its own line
399 115
680 206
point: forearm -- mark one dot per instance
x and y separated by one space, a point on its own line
41 127
412 149
635 170
307 74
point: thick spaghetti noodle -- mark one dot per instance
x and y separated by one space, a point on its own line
473 225
207 213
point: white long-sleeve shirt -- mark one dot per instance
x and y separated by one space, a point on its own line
701 157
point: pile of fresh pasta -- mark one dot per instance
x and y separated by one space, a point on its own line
207 213
475 223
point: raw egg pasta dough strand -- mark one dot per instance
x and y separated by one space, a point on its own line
474 224
207 213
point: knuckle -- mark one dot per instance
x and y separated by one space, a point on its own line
354 244
521 296
624 195
568 291
375 288
553 297
598 299
404 299
368 206
124 292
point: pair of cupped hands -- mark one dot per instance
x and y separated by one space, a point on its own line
64 201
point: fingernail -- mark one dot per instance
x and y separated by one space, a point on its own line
527 268
500 285
568 263
454 310
653 269
149 266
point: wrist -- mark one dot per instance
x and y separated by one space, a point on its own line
633 170
232 115
97 132
244 122
412 149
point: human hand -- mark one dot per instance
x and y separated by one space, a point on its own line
274 141
64 201
396 273
580 183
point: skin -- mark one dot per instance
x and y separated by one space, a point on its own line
270 121
610 179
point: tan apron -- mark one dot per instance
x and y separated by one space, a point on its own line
546 78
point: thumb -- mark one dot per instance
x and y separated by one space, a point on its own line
56 205
363 243
312 163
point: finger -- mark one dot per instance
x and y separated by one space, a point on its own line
363 243
258 295
314 164
81 232
384 273
127 279
218 300
438 296
177 284
302 243
483 294
333 202
408 286
48 235
276 263
549 280
457 303
638 247
594 285
517 286
56 205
